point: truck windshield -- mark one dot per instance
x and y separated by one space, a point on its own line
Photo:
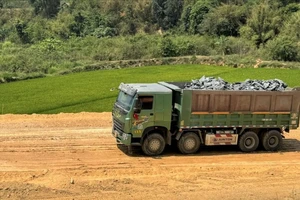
125 100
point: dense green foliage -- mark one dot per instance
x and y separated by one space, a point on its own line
48 8
96 91
48 37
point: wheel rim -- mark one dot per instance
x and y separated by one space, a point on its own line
154 145
249 142
189 144
273 141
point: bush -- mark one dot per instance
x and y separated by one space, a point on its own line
283 49
168 48
203 45
239 46
3 34
141 47
186 45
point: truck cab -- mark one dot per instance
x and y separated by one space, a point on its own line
142 116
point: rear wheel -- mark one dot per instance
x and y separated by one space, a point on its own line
272 140
260 136
189 143
248 141
153 145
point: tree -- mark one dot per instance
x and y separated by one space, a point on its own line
78 25
185 18
263 23
194 14
224 20
22 33
167 12
286 2
291 27
48 8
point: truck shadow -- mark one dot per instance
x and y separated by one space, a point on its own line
289 145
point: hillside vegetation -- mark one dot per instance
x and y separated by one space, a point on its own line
50 37
97 91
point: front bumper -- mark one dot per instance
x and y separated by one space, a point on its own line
123 138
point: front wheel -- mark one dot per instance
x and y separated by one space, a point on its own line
153 145
272 140
248 141
189 143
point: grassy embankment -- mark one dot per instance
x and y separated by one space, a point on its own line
90 91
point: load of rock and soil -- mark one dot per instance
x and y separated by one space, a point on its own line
212 83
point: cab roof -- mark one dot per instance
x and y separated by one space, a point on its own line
149 88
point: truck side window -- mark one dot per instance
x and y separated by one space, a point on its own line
146 102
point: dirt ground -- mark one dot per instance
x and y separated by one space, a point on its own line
74 156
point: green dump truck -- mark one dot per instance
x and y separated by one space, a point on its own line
157 114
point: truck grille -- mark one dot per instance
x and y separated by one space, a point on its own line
119 126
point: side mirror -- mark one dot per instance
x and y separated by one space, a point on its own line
136 110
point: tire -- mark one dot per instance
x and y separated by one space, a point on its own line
189 143
153 145
272 140
248 141
260 136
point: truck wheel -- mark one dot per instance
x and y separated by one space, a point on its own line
153 145
248 141
272 140
189 143
260 136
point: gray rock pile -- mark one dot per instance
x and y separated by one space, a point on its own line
212 83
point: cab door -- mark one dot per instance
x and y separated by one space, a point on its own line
143 115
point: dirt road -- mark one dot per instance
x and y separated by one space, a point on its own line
74 156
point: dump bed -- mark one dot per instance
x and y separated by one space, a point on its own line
244 101
209 108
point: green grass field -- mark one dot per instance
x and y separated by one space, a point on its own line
90 91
